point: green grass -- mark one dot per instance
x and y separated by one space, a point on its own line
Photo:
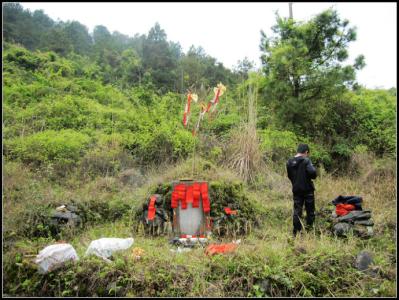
268 262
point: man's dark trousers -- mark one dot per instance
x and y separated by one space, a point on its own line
299 201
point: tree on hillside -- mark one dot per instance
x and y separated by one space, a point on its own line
199 69
121 41
129 70
23 27
79 36
150 59
243 67
102 38
159 59
194 67
303 63
57 40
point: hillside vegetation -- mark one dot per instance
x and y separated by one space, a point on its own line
95 120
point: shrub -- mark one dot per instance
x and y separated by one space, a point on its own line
223 123
63 148
107 156
375 113
163 144
278 145
23 58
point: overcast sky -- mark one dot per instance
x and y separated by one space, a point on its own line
231 31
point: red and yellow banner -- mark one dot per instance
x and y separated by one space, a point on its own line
218 91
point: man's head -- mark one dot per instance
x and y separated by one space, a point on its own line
303 149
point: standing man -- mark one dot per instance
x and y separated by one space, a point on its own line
301 172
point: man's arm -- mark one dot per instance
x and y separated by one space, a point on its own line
288 171
310 169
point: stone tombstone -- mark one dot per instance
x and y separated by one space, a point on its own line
191 220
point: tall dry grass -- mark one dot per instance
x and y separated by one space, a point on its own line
243 149
374 180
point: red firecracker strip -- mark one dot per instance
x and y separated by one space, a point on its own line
189 194
214 101
151 208
179 194
205 197
196 194
228 211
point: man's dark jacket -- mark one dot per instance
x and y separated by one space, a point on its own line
300 171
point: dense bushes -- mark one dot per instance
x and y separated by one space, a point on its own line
278 146
46 93
98 132
63 147
364 119
375 113
54 112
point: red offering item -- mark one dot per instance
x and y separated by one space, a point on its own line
343 209
196 194
205 198
228 211
189 194
220 249
179 194
151 209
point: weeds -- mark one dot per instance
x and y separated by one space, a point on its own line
268 262
243 151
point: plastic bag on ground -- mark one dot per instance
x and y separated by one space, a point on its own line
104 247
54 256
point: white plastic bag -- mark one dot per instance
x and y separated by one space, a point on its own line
54 256
104 247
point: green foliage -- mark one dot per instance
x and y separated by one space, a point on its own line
21 26
81 111
365 118
23 58
233 195
45 91
303 66
375 114
306 92
122 60
222 124
162 144
63 147
107 156
158 58
279 145
141 124
197 69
